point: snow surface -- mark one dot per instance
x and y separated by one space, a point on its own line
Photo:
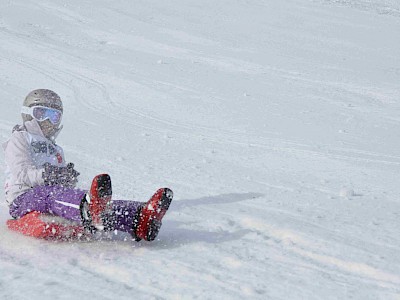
276 123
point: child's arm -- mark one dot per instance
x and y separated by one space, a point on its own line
20 163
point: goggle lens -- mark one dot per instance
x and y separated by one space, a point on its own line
43 113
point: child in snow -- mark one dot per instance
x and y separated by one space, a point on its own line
39 180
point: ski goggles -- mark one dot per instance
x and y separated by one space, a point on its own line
42 113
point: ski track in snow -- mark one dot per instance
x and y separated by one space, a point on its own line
255 113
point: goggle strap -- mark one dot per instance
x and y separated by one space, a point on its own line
26 110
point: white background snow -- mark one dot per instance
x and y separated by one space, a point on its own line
276 123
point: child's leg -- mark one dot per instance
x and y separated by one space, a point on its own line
56 200
141 219
65 203
122 215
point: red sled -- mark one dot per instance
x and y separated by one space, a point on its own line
46 227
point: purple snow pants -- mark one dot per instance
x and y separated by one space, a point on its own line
64 202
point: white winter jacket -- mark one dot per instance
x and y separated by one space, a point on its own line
25 154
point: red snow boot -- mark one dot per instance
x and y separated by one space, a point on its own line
95 203
147 221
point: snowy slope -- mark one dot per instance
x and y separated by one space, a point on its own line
275 123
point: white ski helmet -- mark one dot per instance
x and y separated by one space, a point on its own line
41 97
37 104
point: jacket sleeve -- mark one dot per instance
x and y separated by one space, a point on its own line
19 161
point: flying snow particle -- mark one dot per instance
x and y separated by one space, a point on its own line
346 192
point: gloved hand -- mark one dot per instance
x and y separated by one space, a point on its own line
64 176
